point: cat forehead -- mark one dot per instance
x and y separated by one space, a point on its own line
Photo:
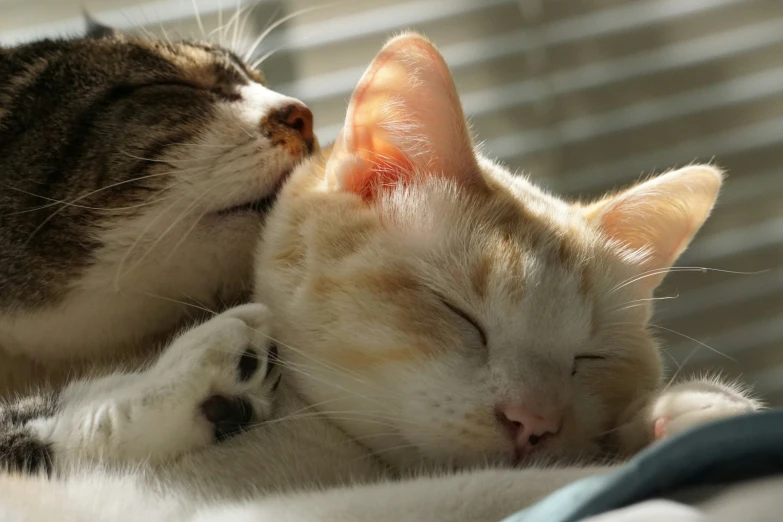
508 221
138 57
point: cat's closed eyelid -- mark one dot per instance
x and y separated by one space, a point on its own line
468 318
586 357
589 357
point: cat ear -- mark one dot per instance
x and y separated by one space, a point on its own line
97 30
658 218
404 120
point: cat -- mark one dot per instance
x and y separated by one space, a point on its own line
435 316
135 175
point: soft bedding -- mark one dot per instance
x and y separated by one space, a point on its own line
688 477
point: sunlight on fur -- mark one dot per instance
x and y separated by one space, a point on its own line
445 330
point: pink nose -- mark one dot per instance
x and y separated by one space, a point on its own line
527 427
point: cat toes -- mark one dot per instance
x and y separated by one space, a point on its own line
228 415
693 403
232 359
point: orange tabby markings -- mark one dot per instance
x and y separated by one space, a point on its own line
541 278
480 276
359 359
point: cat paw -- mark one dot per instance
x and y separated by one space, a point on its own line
676 409
227 369
213 381
692 403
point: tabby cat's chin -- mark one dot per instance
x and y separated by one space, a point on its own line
260 205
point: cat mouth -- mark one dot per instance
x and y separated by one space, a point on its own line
260 205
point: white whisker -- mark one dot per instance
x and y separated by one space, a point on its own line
197 15
694 340
280 22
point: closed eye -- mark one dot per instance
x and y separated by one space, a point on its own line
469 319
586 357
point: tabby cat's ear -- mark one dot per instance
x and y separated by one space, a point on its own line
97 30
658 218
404 120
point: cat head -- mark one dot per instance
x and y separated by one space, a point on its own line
139 165
448 312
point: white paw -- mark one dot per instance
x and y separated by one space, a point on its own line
225 368
211 382
692 403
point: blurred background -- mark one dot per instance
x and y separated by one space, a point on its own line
585 96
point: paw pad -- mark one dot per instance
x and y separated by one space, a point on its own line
228 415
248 365
659 427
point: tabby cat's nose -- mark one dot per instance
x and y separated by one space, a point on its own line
298 117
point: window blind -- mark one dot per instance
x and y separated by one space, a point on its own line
585 96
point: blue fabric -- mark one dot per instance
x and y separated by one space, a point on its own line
726 451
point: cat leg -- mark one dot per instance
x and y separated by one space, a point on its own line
21 449
470 496
680 407
211 382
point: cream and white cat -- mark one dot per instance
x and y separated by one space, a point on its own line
435 315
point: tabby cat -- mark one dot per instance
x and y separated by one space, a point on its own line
134 178
434 313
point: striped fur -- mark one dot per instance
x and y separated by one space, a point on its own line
417 289
134 175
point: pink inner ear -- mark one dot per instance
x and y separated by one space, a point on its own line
659 217
374 165
404 120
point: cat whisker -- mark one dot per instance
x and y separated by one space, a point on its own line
609 432
271 18
113 185
249 53
165 34
197 16
694 340
657 271
353 413
237 15
194 300
199 145
138 27
325 366
640 302
322 363
670 356
170 162
362 438
185 212
55 202
681 366
378 453
184 303
120 272
258 62
219 28
246 17
240 127
193 226
303 369
227 26
325 415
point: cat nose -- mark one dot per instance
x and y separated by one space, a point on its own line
297 117
526 426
